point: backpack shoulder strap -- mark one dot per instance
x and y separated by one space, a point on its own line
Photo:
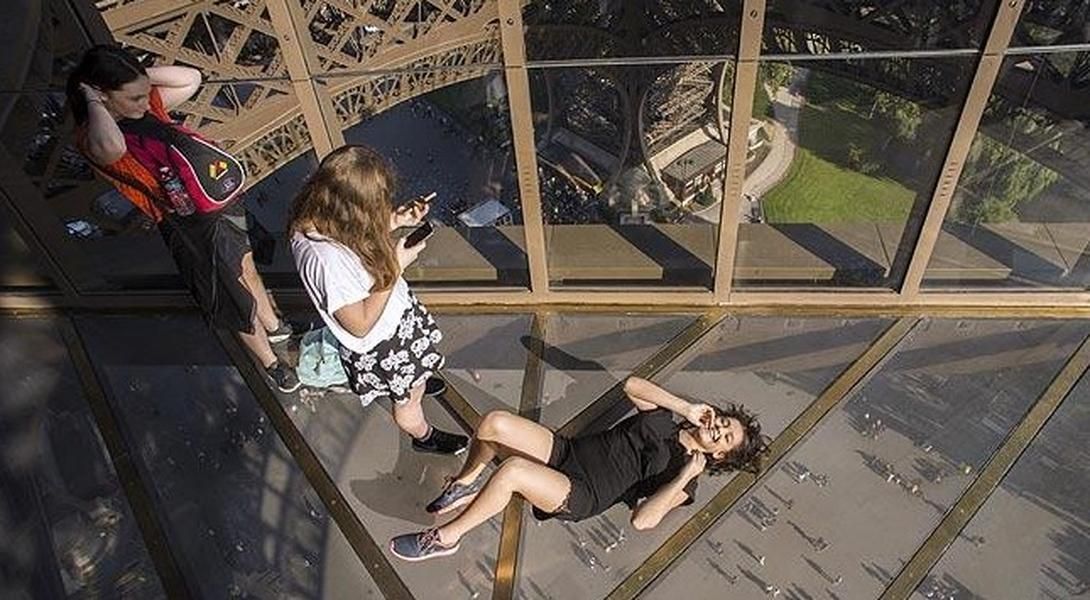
151 127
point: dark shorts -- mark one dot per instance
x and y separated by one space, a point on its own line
396 365
580 503
208 250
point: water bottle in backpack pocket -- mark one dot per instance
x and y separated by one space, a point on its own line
175 191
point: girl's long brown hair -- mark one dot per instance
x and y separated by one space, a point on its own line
348 200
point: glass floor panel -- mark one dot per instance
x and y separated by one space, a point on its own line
585 355
774 366
240 516
66 528
836 518
388 484
846 507
486 358
1031 538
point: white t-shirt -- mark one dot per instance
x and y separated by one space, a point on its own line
334 277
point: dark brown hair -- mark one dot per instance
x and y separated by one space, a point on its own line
106 67
750 453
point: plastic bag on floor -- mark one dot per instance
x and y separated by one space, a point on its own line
319 360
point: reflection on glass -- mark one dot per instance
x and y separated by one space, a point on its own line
1020 217
43 39
571 29
843 510
392 34
19 268
1052 23
67 528
821 27
631 162
850 152
99 236
239 515
34 129
1034 526
448 132
774 366
231 43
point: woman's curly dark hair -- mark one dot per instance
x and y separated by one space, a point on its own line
746 457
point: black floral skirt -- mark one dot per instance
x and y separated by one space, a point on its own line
398 364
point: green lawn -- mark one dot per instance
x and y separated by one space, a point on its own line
820 188
818 191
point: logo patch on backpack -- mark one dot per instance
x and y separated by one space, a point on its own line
217 169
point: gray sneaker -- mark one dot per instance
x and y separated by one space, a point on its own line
455 494
420 546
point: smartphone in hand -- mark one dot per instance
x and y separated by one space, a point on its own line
419 234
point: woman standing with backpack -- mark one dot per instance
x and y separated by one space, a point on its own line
341 227
184 184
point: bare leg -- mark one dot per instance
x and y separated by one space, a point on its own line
410 415
258 345
258 341
266 313
501 431
542 486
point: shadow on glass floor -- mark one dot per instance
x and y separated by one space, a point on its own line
836 518
844 510
486 359
388 484
239 515
585 355
1035 527
66 528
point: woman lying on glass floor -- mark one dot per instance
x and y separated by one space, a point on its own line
647 461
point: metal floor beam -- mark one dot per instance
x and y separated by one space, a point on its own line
989 478
137 490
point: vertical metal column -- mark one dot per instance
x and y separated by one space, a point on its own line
522 131
301 60
986 73
745 79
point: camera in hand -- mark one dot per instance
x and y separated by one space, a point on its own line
419 234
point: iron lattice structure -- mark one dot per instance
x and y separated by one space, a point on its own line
249 105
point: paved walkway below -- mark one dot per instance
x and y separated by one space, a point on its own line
783 133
